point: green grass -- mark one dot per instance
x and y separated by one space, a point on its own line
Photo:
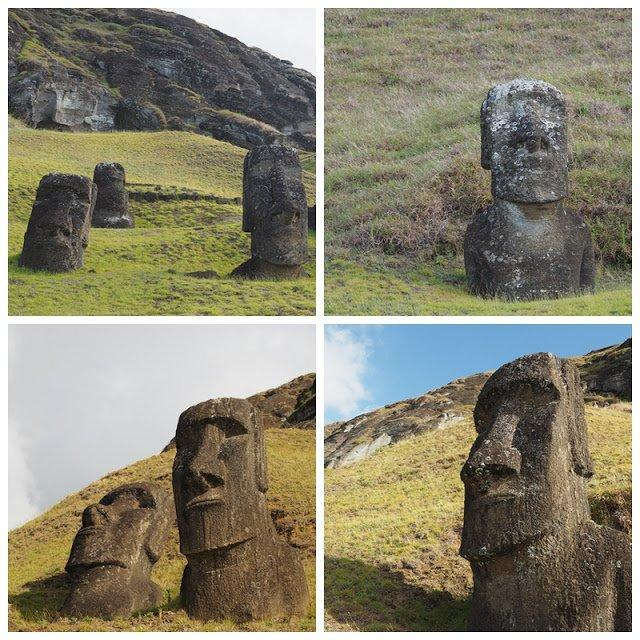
393 522
144 271
402 148
38 551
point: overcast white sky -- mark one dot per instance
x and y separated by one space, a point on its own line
289 34
85 400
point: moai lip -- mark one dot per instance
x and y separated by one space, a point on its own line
58 229
528 531
112 555
112 200
527 245
237 567
275 212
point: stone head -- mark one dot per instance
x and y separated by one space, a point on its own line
108 173
274 204
219 475
524 141
527 469
60 220
127 528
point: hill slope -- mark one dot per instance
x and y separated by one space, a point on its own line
393 516
184 190
147 69
39 549
403 176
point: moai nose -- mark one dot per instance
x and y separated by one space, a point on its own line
496 454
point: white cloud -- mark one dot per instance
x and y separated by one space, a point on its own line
22 502
345 364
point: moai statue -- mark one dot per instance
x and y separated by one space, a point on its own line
526 245
58 229
113 553
112 201
238 568
539 562
274 212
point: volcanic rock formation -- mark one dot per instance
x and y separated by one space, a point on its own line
120 540
539 561
58 229
526 245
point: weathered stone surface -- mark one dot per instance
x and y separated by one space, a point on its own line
66 67
113 553
237 567
58 229
274 212
312 217
526 245
112 200
539 561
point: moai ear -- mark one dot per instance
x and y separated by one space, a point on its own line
260 453
485 137
582 462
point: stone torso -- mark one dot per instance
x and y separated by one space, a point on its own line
557 585
520 254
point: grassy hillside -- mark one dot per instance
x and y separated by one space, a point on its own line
179 231
402 149
393 522
39 550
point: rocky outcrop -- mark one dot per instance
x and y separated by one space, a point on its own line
146 69
605 377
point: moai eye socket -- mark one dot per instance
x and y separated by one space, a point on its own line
230 427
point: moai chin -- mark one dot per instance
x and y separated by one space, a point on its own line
112 555
274 212
58 229
112 201
238 568
539 561
526 245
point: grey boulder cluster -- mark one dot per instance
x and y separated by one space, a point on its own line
237 566
527 245
539 562
65 208
274 212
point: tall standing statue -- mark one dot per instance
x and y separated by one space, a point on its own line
112 555
237 567
274 212
58 229
526 245
112 201
539 561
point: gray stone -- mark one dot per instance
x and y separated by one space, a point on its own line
539 561
58 229
112 200
112 555
274 212
237 567
526 245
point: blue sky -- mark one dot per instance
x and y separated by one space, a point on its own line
367 366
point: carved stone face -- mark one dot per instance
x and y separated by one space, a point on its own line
108 173
526 469
524 141
58 229
127 527
274 205
219 475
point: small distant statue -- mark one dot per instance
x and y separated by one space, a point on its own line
58 229
238 568
274 212
539 561
120 540
526 245
112 201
